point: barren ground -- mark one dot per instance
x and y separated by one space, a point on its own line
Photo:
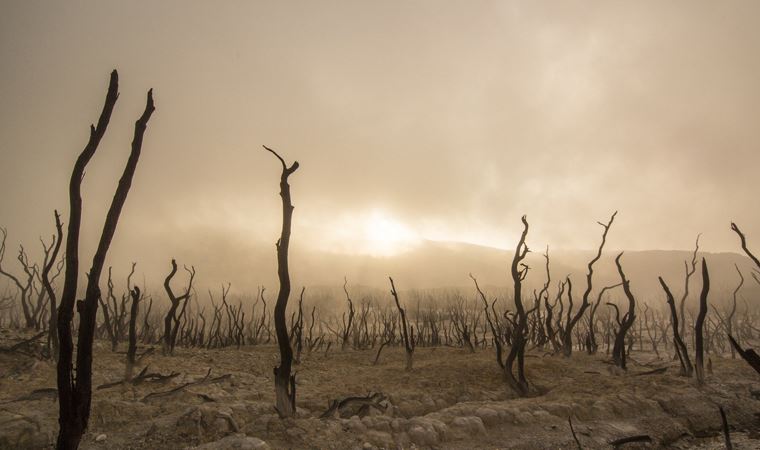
452 399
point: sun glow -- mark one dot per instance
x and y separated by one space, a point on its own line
383 235
375 232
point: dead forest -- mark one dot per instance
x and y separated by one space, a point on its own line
83 346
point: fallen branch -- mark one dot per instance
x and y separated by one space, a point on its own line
37 394
629 439
143 376
203 381
347 407
659 371
20 347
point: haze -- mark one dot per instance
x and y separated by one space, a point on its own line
412 121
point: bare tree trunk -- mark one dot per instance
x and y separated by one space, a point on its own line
284 382
567 344
132 348
689 269
519 271
743 239
681 351
408 342
74 395
347 327
53 331
618 351
699 345
171 321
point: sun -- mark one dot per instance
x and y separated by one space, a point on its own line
384 235
375 232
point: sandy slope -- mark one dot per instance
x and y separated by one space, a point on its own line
452 399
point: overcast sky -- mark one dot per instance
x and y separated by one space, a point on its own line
411 120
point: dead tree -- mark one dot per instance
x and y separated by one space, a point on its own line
284 382
347 326
624 323
132 346
748 355
591 345
567 341
728 321
519 271
25 288
681 351
113 315
296 337
689 269
699 324
406 330
171 321
75 393
47 284
743 239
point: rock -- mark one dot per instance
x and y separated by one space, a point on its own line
355 424
101 437
200 421
524 418
19 431
379 439
399 424
487 415
469 426
381 423
423 436
237 441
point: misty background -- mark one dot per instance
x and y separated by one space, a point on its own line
424 130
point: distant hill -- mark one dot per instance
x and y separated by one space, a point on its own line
431 264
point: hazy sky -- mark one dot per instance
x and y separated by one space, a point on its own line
411 120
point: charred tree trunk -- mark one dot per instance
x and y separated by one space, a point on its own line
132 347
519 271
53 331
351 312
681 351
699 324
567 344
743 239
75 393
408 342
284 382
689 269
619 351
171 321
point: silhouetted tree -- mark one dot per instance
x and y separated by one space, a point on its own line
132 345
75 393
567 341
699 339
689 269
172 318
624 323
351 312
46 283
405 330
519 271
681 351
284 382
25 288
